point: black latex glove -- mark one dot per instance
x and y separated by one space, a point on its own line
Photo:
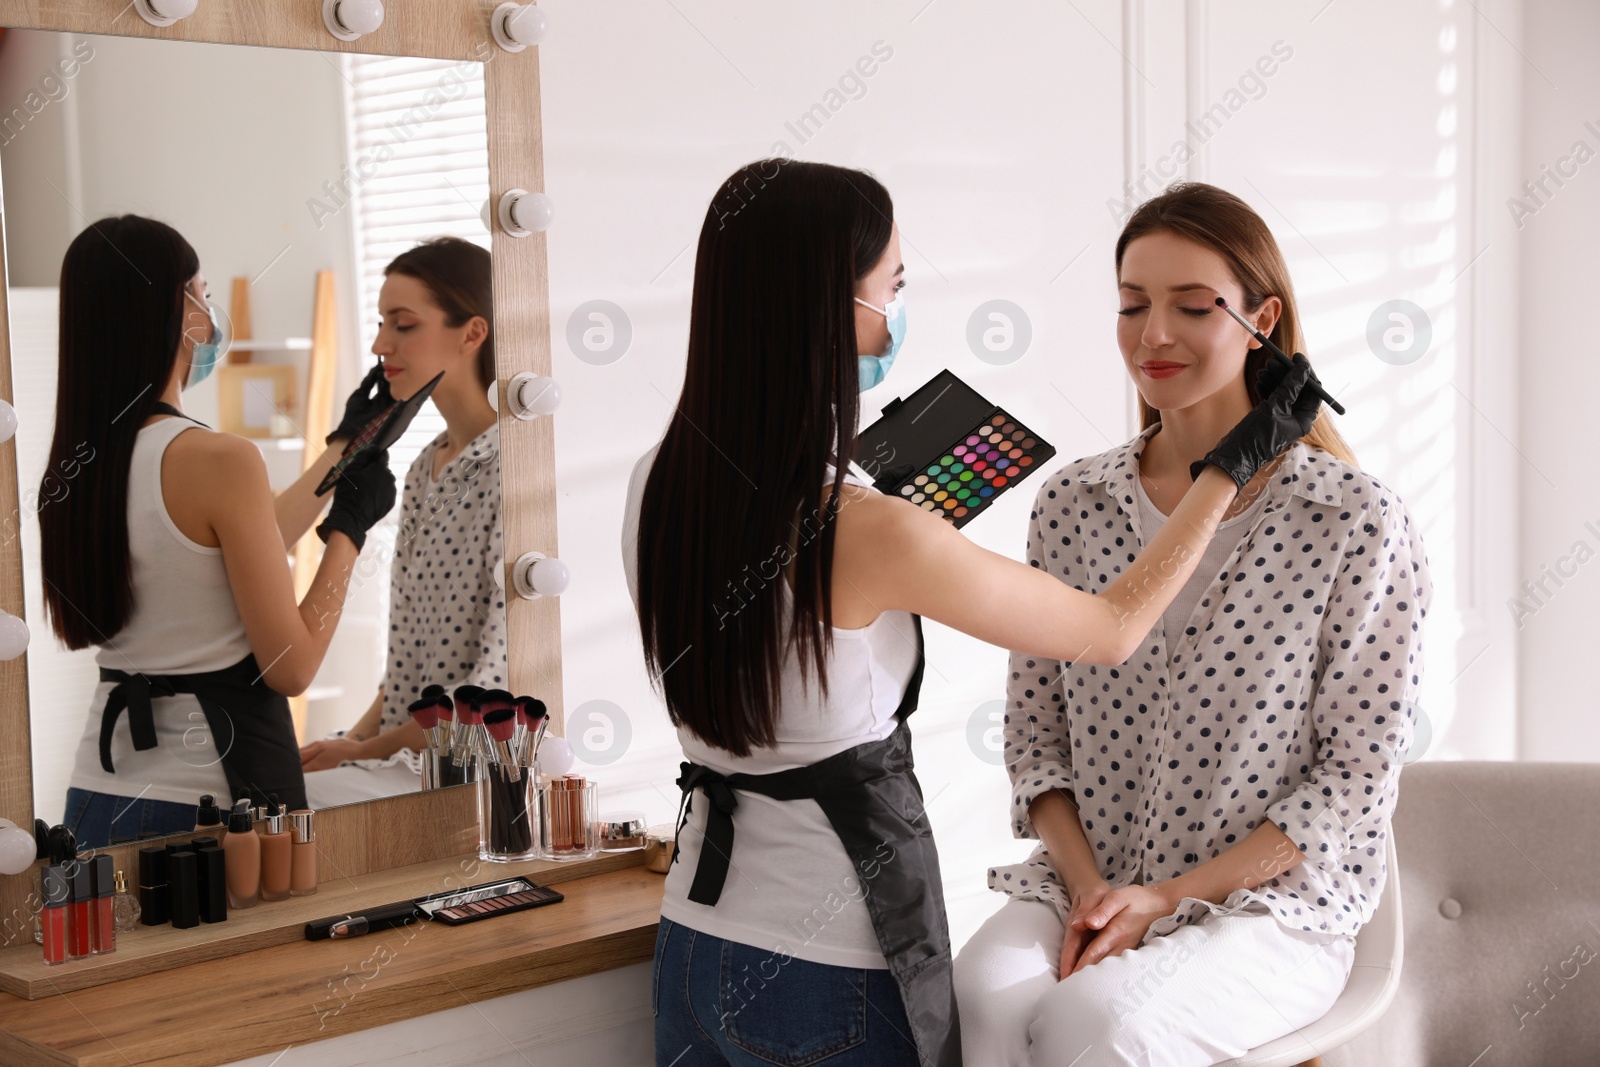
1284 415
363 495
370 401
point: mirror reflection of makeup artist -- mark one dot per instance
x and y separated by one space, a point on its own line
446 609
823 914
168 550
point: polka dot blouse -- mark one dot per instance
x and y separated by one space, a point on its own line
1289 696
447 617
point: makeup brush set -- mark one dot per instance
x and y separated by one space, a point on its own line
488 738
475 729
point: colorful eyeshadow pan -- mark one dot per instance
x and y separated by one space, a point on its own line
947 449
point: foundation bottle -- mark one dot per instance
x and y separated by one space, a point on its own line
242 848
303 865
275 854
208 816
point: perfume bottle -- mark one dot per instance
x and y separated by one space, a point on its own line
124 906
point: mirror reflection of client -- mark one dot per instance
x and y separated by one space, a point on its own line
446 609
1212 815
168 550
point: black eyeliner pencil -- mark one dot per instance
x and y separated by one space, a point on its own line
1277 353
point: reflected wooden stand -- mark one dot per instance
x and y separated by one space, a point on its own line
318 424
317 419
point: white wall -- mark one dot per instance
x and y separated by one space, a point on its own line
1378 191
1006 138
1558 505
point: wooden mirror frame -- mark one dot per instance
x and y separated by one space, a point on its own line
374 835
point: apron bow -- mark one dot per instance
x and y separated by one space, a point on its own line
712 871
132 694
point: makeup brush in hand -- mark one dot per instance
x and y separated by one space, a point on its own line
1277 353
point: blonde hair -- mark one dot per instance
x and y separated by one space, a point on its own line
1220 221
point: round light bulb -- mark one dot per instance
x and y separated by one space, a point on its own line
533 395
8 421
164 12
13 636
549 577
18 850
526 25
533 212
349 19
517 26
555 756
522 212
536 575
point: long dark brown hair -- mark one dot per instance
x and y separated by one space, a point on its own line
122 311
458 274
1220 221
770 396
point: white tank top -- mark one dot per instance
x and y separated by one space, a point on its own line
184 621
791 886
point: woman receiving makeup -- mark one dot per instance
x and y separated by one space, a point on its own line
163 546
780 606
446 610
1212 815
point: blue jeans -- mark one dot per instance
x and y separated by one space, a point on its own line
101 819
721 1003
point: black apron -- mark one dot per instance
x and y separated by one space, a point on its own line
251 727
870 796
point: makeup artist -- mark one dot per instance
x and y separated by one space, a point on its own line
167 550
446 610
818 931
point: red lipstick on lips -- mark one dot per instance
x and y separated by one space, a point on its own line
1161 368
390 372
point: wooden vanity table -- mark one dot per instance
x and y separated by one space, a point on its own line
262 1002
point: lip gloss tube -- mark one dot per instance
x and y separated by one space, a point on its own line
103 875
79 926
55 891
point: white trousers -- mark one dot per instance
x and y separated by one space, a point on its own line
1202 994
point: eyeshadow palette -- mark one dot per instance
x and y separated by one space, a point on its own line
380 433
483 901
948 450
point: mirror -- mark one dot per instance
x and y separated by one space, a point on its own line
277 165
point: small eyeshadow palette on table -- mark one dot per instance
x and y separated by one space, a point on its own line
948 450
451 908
480 902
